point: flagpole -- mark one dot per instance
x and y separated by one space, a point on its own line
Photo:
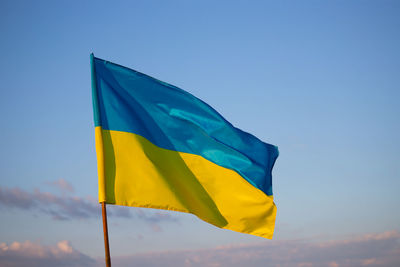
100 159
105 230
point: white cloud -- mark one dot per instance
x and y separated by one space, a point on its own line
372 250
34 254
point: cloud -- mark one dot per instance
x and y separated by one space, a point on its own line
63 185
371 250
59 208
34 254
68 207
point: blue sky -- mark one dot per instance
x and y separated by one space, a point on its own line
319 79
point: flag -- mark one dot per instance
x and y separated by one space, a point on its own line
160 147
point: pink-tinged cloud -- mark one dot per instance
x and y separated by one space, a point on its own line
372 250
68 207
32 254
62 185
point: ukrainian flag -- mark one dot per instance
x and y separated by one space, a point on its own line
160 147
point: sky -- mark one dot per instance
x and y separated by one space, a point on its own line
318 79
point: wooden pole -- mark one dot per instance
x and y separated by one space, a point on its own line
105 230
